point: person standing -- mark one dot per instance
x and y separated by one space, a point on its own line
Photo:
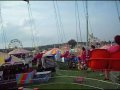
82 59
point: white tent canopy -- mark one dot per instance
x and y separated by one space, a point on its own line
19 51
4 56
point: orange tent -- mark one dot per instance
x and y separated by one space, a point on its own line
51 52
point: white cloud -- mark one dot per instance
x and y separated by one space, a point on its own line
16 20
12 4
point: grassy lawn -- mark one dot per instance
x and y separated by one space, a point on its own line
61 86
64 79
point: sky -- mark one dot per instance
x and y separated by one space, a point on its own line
16 21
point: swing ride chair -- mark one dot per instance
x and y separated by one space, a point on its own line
101 59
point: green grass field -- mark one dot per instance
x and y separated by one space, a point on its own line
64 79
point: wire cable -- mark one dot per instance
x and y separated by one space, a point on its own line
89 22
4 39
31 24
57 24
117 10
78 21
61 25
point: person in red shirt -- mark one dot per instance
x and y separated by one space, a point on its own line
37 58
82 59
66 56
83 55
89 51
113 49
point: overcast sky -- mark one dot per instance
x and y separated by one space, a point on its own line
103 17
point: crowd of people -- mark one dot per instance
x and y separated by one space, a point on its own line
71 59
79 60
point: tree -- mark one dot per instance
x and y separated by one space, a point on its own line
72 43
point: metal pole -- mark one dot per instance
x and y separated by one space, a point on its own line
87 30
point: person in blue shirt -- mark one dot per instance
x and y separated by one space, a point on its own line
8 59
